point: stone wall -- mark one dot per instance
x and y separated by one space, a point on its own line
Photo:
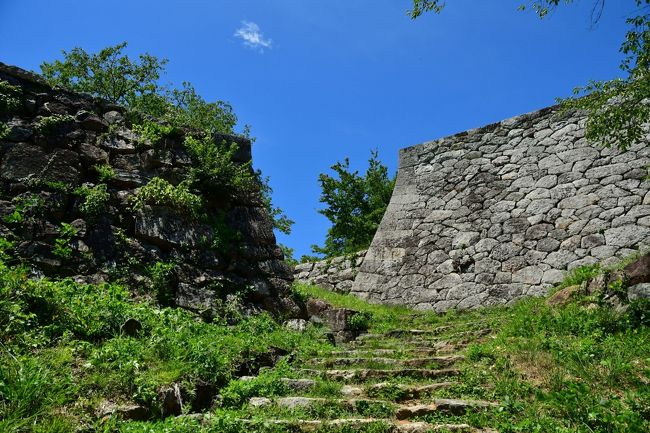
42 168
335 274
492 214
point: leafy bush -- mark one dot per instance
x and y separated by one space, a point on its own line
15 319
105 172
113 75
161 275
56 185
190 110
6 246
96 199
160 192
580 275
27 207
9 98
152 132
214 169
54 308
4 130
266 384
62 247
360 321
49 125
639 313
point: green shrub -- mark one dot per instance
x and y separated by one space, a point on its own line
38 311
6 246
27 207
15 318
9 98
96 199
266 384
162 274
62 247
4 130
49 125
214 169
580 275
152 132
56 185
360 321
89 312
104 172
638 312
477 352
160 192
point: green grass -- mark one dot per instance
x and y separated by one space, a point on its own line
383 317
62 351
582 367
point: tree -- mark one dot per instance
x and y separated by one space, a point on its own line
617 110
190 109
114 76
108 74
355 205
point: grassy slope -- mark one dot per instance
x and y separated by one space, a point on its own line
580 367
62 351
576 368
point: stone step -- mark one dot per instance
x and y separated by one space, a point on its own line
356 423
446 406
303 402
402 412
433 331
421 351
417 362
439 347
299 385
365 374
406 392
423 336
405 332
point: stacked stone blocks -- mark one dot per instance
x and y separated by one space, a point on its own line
493 214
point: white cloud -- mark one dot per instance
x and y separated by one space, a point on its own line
252 36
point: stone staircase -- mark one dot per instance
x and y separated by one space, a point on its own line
400 380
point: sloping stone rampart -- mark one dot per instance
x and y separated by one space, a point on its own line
493 214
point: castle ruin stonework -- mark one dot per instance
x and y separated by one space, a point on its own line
42 176
490 215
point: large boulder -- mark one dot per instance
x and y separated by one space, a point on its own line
638 271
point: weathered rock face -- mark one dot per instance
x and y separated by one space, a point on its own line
40 169
490 215
336 274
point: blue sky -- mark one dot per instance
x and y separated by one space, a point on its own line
319 81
